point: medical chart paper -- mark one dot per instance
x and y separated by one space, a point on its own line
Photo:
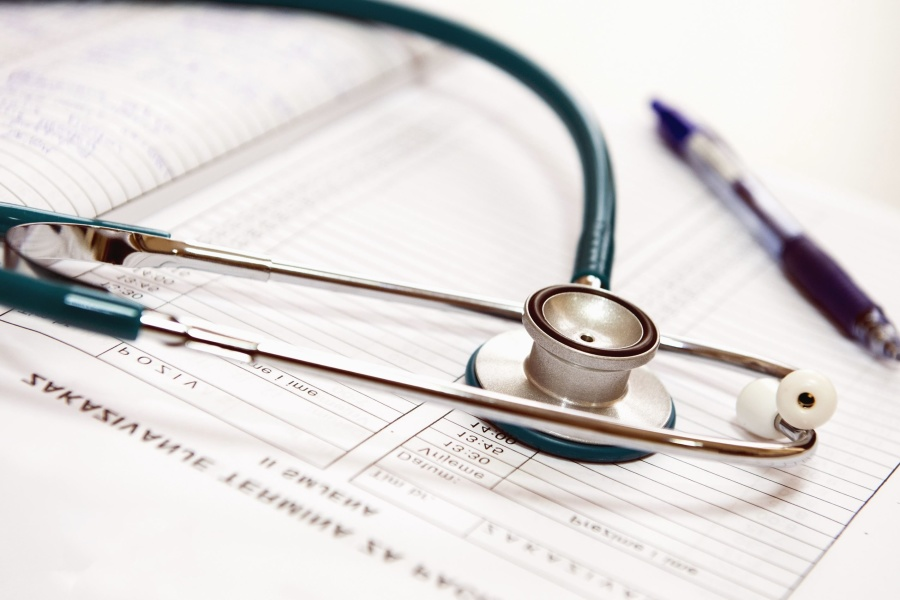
133 469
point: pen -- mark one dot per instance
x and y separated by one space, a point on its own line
808 267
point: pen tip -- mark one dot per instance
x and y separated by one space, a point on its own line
892 349
876 332
888 347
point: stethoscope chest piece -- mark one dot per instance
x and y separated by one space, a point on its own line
582 348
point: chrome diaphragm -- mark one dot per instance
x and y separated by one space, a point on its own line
582 348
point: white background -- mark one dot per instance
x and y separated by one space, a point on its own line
806 88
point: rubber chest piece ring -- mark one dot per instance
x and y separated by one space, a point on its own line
557 446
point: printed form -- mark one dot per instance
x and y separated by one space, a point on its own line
135 469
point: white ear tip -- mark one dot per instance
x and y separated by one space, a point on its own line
756 408
806 399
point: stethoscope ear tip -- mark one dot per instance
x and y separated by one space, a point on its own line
803 399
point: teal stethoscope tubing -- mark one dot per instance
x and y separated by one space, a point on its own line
104 313
68 303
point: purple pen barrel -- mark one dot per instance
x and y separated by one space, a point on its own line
824 282
812 271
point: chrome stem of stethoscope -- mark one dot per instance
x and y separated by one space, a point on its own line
742 361
43 244
228 343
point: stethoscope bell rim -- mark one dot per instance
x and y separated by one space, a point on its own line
631 343
581 348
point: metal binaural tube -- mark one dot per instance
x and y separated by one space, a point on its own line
44 244
234 345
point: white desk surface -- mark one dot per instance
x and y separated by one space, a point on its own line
808 88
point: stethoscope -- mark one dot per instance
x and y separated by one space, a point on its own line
572 382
